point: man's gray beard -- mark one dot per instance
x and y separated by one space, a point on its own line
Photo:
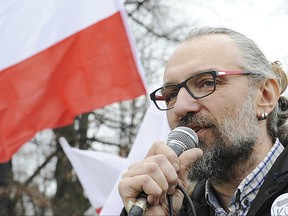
232 146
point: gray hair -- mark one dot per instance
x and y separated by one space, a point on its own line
251 59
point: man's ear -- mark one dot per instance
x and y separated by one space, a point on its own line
269 95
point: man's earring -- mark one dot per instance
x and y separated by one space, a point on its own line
264 116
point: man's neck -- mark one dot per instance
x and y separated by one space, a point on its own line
225 191
224 194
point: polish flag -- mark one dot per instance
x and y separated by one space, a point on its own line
59 59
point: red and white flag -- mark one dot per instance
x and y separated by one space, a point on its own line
59 59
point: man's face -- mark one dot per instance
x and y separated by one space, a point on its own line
224 121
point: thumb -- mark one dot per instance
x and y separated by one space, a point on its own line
186 160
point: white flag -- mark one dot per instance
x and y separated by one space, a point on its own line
99 173
154 127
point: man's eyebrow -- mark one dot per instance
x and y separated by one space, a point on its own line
200 71
169 83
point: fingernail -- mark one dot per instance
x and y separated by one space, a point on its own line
171 190
163 199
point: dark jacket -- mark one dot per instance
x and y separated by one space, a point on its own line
275 184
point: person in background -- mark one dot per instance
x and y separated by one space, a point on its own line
218 83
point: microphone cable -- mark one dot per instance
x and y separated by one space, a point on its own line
186 195
138 211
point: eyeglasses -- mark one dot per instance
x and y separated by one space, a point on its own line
198 86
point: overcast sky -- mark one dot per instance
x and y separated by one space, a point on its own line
264 21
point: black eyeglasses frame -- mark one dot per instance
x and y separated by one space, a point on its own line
178 86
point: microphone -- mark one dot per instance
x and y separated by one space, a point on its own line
179 139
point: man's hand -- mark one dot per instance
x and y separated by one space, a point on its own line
157 175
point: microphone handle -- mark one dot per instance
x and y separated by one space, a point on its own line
140 205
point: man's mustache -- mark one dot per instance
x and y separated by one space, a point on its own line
196 120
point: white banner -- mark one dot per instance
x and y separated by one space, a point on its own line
99 173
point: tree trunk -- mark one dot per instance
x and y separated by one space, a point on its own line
69 197
5 187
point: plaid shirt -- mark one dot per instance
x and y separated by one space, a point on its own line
248 188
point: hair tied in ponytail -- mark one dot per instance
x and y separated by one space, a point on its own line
283 103
278 70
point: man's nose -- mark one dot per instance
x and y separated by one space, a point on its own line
185 103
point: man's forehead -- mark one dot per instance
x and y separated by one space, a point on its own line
205 45
202 53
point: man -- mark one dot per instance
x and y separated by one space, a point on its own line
221 85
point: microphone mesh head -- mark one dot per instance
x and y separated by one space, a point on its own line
184 137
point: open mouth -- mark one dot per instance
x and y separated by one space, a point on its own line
200 130
195 128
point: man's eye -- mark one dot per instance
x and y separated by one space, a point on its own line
170 96
206 83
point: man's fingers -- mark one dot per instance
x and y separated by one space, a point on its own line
162 148
187 159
